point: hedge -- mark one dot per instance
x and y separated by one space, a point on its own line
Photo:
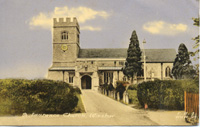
18 96
165 94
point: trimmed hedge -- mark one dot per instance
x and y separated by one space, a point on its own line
165 94
18 96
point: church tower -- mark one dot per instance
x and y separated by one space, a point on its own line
65 41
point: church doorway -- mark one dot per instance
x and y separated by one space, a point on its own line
86 82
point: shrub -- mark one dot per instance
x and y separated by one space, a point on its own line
121 88
133 87
77 90
105 86
161 94
37 96
191 86
110 87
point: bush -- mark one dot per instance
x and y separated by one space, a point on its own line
77 90
161 94
133 87
36 96
121 88
110 87
105 86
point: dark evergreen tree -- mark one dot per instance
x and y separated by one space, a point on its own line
133 64
182 68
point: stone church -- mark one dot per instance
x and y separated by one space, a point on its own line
89 68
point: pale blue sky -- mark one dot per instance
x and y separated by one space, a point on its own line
25 35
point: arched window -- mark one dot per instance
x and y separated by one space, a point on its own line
64 35
167 71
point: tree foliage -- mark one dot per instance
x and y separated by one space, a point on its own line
196 45
182 68
133 64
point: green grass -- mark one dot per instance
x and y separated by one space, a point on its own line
133 97
80 107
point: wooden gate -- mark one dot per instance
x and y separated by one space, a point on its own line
191 103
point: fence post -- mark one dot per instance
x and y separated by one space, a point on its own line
124 97
114 94
118 96
127 99
185 100
106 92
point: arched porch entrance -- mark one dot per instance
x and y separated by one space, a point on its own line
86 82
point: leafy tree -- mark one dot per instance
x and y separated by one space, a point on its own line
196 46
133 64
182 68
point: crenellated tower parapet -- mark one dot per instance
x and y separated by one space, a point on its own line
61 22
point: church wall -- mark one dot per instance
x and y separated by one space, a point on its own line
110 63
121 75
72 34
68 56
153 68
95 81
55 75
63 64
66 76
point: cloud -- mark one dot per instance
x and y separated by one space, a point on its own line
164 28
90 28
83 14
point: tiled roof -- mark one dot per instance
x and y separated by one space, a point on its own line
152 55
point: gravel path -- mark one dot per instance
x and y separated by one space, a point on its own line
100 110
115 112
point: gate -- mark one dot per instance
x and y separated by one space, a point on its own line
192 103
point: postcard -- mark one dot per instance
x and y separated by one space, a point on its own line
99 62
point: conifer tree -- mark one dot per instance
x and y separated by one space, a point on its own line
182 68
133 64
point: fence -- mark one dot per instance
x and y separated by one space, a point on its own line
191 103
115 95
